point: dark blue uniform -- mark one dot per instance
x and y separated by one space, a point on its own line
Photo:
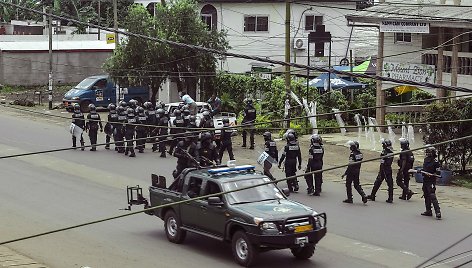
315 162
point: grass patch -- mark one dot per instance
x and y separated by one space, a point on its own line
7 89
463 180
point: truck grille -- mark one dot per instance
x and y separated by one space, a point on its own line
291 224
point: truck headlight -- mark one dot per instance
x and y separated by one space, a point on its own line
268 226
75 98
258 220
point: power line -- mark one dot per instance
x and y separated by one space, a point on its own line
444 250
225 192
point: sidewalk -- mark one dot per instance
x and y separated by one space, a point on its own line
10 258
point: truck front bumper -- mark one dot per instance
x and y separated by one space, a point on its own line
287 240
69 104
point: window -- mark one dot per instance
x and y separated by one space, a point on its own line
319 49
194 187
206 18
311 21
256 23
212 188
403 37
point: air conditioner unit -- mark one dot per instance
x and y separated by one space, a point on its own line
300 43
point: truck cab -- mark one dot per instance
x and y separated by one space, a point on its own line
237 205
101 91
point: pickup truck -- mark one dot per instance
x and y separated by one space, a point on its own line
253 220
101 91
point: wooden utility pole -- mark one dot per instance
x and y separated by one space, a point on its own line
455 59
287 52
440 64
380 94
50 58
115 20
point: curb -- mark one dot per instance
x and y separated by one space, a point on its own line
10 258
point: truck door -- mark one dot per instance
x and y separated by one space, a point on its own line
213 218
110 92
100 88
190 211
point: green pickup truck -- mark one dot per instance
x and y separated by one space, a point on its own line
253 220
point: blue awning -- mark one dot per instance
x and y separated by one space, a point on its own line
336 82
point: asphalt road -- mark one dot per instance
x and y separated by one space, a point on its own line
49 191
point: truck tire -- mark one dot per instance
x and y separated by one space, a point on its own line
244 252
172 226
84 106
303 253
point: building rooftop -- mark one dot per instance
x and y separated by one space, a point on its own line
38 46
436 15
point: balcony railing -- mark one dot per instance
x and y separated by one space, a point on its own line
465 63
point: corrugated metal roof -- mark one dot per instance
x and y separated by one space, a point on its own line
56 45
422 13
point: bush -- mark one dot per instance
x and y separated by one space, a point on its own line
328 123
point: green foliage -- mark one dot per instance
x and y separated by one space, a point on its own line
140 61
8 13
456 154
331 125
421 95
397 118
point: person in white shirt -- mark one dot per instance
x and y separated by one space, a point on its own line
192 105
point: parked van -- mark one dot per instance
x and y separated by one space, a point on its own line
101 91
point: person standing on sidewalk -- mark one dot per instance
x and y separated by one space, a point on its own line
352 173
93 122
315 162
385 172
405 163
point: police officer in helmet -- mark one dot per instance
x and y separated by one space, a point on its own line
249 120
111 125
78 119
226 142
353 171
119 132
130 129
178 127
385 171
405 163
315 162
432 168
270 147
163 130
140 129
290 154
92 125
206 152
183 157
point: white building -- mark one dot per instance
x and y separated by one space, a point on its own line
415 36
257 28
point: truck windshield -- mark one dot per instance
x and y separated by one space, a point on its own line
86 83
256 194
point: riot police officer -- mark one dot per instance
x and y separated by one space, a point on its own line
270 147
186 116
385 172
206 152
119 132
249 120
192 122
226 142
92 125
183 156
130 129
111 125
353 171
431 166
315 162
290 154
141 129
133 104
78 119
405 163
163 124
178 128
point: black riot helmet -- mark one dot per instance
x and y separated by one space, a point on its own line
267 136
133 103
140 110
130 112
111 107
404 144
76 108
353 145
177 113
148 105
386 144
225 121
160 112
123 104
430 152
316 139
120 109
291 137
206 137
248 101
92 108
186 112
206 114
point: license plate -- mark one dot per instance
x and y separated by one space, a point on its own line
303 228
301 240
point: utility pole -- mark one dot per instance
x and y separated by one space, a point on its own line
380 99
440 64
99 18
50 57
115 19
287 53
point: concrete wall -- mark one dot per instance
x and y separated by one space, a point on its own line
32 68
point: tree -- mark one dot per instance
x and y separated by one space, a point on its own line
151 62
8 13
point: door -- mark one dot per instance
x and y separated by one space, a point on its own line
100 90
213 217
190 211
110 92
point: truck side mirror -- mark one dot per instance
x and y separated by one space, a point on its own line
286 191
215 201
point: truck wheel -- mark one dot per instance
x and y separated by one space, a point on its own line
84 106
244 252
303 253
172 226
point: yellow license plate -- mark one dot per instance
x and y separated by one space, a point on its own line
304 228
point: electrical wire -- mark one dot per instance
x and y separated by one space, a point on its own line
444 250
270 182
225 53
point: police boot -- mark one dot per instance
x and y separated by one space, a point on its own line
409 195
295 186
349 201
403 196
427 213
82 144
163 154
126 151
132 154
390 196
438 215
93 149
371 197
309 191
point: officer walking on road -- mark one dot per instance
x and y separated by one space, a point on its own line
163 124
183 157
141 129
353 171
270 147
111 125
93 122
431 166
290 154
249 120
130 129
178 128
226 142
385 172
315 162
405 163
78 119
119 132
206 152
